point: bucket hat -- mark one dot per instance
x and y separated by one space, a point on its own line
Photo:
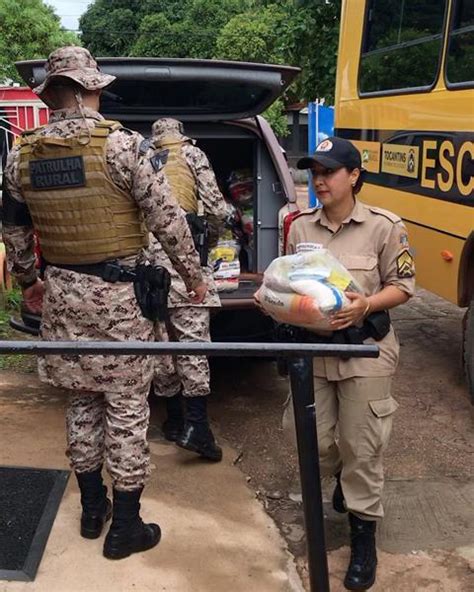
76 63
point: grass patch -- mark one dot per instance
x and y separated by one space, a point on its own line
11 301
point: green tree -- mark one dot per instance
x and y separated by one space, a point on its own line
109 27
310 39
187 28
255 37
28 29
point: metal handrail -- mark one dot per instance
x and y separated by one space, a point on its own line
300 365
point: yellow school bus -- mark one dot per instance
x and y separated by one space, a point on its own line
405 96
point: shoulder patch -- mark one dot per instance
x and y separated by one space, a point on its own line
394 218
159 160
144 146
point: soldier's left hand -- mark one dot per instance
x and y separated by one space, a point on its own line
199 293
351 314
33 297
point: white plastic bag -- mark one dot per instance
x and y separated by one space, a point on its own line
305 289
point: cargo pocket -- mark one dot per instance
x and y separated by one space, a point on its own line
382 411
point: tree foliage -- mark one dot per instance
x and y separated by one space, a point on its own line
28 29
255 37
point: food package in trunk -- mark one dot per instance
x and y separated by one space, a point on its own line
224 260
305 289
247 221
241 186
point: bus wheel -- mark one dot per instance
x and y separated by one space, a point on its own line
468 349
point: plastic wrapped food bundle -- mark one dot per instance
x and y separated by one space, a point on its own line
224 260
305 289
240 185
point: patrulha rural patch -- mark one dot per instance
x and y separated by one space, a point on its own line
55 173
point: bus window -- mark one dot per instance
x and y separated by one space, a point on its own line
402 44
460 62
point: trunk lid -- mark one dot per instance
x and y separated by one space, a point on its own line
192 90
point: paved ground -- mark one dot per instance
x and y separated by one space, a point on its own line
216 535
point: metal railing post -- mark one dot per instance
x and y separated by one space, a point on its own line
302 389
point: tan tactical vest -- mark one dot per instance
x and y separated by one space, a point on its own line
79 213
179 175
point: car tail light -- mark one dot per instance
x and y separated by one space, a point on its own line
285 217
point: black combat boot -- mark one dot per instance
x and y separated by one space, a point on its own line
338 502
362 568
173 425
197 435
128 533
96 507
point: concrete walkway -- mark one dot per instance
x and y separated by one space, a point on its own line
216 535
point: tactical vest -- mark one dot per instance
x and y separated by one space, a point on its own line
81 216
179 175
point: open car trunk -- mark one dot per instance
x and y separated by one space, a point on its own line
249 181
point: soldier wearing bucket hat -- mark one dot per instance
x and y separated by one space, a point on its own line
81 184
184 381
353 396
77 64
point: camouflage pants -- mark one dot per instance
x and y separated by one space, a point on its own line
110 426
187 373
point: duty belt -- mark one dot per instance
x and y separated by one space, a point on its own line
109 271
376 325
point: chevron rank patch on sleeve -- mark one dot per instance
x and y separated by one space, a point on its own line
405 264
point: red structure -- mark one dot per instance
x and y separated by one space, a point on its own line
20 109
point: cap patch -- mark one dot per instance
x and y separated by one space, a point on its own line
325 146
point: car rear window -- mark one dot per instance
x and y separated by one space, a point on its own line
186 97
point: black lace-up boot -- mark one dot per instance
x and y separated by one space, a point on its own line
197 435
338 502
96 507
128 533
174 423
363 565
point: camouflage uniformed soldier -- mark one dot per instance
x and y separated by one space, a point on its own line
353 397
81 185
194 185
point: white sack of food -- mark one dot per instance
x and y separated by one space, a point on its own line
306 288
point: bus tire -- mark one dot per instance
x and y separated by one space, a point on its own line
468 349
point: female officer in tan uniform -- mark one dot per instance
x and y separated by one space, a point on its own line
354 395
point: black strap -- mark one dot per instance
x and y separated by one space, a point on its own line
14 212
109 271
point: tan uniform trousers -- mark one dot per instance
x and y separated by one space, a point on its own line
354 421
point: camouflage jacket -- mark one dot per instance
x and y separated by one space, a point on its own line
215 208
78 306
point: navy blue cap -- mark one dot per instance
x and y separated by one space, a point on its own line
333 153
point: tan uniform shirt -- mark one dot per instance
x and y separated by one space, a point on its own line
373 245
